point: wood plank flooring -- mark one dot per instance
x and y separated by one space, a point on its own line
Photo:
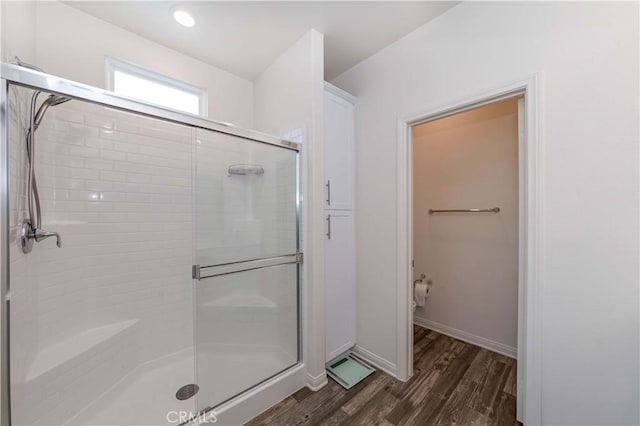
454 383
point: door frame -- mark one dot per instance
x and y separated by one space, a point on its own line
530 234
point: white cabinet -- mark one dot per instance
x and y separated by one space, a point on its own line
340 255
340 289
338 151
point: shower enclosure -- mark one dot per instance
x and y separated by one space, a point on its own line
175 287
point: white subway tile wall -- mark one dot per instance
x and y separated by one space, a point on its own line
118 294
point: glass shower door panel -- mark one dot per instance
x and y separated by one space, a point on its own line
245 199
247 331
247 287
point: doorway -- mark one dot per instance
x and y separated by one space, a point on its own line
529 234
465 201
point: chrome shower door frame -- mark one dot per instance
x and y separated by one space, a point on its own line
31 79
5 379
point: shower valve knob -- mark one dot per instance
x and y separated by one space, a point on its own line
41 234
29 234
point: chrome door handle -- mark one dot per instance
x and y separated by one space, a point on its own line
328 185
29 234
328 234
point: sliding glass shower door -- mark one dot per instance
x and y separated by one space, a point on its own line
246 286
174 286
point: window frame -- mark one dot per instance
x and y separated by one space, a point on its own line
112 65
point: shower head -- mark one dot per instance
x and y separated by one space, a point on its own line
35 118
52 100
57 99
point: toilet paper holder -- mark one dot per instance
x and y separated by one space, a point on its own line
419 280
420 291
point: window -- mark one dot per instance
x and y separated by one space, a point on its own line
148 86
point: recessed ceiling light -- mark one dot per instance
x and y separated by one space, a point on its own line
184 18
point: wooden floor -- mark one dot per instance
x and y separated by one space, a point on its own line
453 383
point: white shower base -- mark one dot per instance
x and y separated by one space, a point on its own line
145 396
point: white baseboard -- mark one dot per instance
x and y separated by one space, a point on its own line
375 360
316 383
342 349
474 339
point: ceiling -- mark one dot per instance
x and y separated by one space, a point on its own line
245 37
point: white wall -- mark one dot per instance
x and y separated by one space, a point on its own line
72 44
17 30
469 160
289 102
587 56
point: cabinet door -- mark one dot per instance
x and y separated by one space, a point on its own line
340 289
338 153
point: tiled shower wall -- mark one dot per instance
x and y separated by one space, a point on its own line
118 188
